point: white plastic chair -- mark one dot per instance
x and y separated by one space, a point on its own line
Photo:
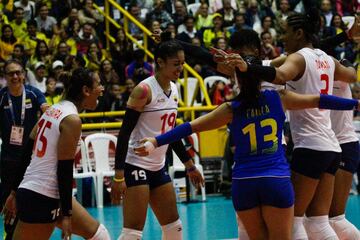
85 167
178 166
100 143
192 8
191 86
209 81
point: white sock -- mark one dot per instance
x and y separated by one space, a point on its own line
130 234
344 229
241 230
318 228
172 231
101 234
299 232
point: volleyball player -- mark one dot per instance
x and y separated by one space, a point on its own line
44 196
151 110
317 152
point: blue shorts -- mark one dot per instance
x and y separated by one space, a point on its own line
254 192
135 176
34 207
349 156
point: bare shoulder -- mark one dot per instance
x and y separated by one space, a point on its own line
139 97
72 121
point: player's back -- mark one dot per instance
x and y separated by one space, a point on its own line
41 175
257 134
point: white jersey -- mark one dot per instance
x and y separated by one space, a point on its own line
342 121
311 128
41 174
159 116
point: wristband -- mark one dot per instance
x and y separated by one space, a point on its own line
175 134
337 103
119 180
191 169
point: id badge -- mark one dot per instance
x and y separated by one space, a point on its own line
16 136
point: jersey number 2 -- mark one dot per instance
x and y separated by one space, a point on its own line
40 136
325 78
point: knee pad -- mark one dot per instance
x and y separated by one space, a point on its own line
101 234
318 228
241 230
172 231
299 232
130 234
344 229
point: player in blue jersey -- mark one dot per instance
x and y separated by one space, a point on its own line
262 192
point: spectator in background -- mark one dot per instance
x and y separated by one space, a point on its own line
73 15
135 11
88 14
19 54
282 14
40 77
254 13
28 7
56 70
32 37
46 24
216 31
52 96
327 11
155 26
216 5
189 30
94 57
344 50
7 42
228 12
202 17
268 49
121 53
86 38
238 24
180 13
112 101
158 13
107 74
19 24
139 69
220 43
62 52
172 29
42 54
266 26
219 93
129 87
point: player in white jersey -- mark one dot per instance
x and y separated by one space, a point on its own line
44 196
316 155
151 109
342 124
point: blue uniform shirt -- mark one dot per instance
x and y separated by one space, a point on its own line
257 135
34 99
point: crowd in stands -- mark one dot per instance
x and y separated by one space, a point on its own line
50 36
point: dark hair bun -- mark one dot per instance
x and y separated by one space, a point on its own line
313 19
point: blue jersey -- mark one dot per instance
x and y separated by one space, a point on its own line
34 99
257 134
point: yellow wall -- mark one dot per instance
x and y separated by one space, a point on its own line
212 143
